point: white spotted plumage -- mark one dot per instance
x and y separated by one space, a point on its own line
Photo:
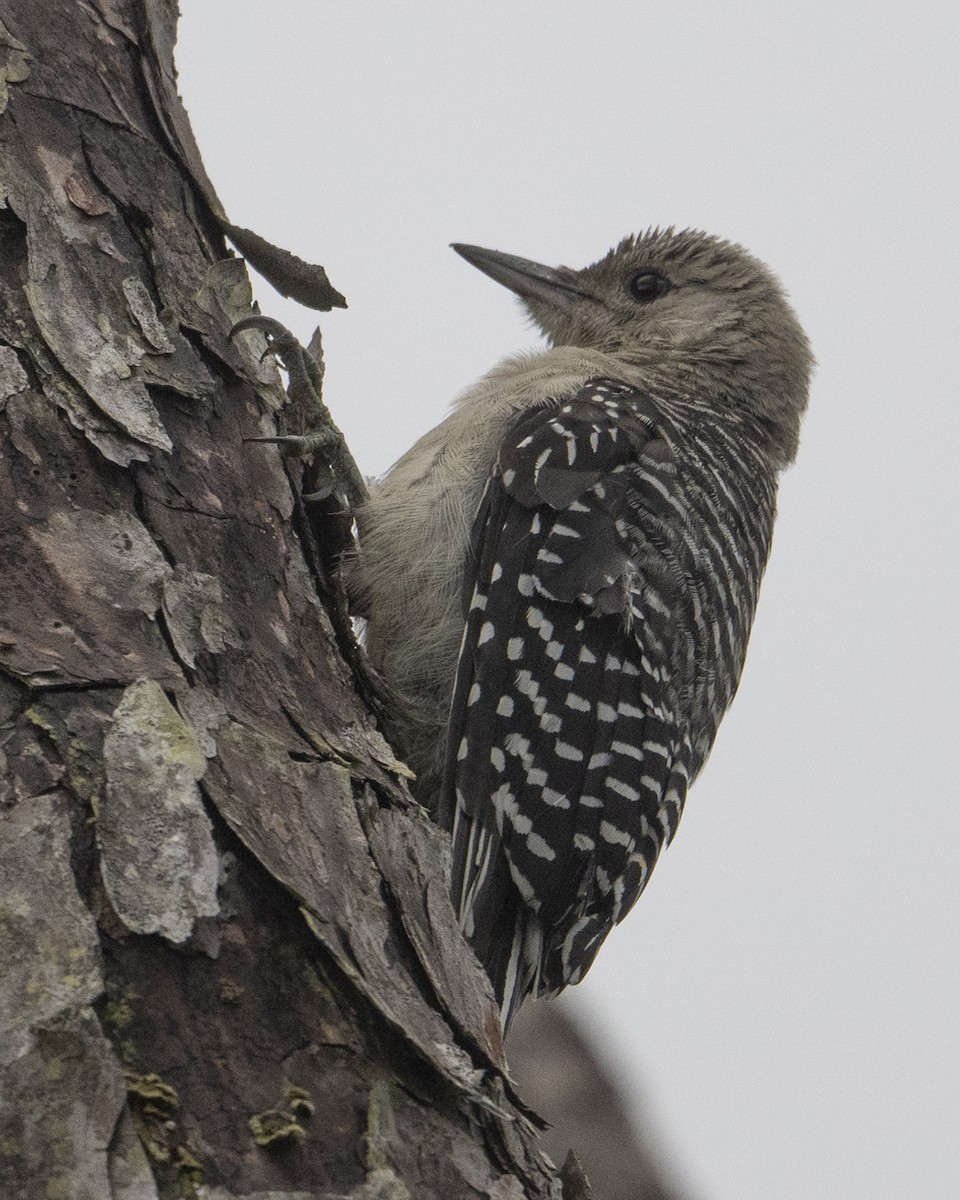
559 583
597 683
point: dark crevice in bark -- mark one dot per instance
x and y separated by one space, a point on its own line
77 688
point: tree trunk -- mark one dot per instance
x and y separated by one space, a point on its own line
229 962
560 1073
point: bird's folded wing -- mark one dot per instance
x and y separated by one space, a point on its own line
565 769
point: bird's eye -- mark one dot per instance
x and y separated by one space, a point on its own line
647 286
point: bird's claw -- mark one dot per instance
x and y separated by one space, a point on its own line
306 410
302 445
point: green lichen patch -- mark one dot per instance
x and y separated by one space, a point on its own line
158 858
299 1101
274 1126
150 1090
230 991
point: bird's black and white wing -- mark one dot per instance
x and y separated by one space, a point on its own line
567 759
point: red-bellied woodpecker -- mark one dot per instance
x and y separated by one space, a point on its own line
559 583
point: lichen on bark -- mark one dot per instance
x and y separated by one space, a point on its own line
214 874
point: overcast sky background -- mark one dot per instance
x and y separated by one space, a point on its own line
787 992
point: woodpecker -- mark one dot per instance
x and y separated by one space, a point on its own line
559 582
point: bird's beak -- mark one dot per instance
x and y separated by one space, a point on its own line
556 286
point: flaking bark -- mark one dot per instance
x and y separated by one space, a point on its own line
230 964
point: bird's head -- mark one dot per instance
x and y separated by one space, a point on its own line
695 311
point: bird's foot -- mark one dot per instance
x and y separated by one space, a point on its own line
317 435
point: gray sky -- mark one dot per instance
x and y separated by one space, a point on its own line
787 991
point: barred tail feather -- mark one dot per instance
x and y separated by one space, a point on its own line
522 975
486 905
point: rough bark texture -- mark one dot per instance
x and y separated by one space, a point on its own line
230 967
